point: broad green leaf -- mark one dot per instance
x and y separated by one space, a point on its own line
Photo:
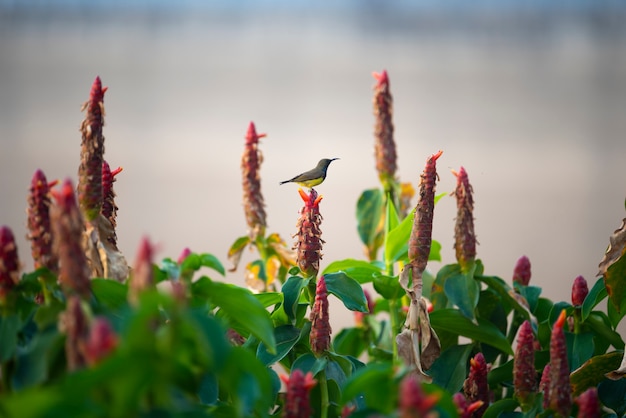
503 406
286 337
612 394
613 268
209 389
291 291
309 363
195 261
9 326
600 325
397 242
388 287
350 341
593 371
450 369
243 308
348 290
463 291
451 320
31 363
109 294
505 292
596 294
369 213
499 375
269 298
374 384
580 348
391 215
361 271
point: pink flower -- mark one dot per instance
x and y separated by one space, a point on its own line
320 319
297 402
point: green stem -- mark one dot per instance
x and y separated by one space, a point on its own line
325 403
393 318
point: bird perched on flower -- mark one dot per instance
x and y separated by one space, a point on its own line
312 177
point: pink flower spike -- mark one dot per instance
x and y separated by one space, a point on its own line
297 402
9 262
521 272
579 291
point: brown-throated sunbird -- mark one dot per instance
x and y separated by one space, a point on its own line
313 177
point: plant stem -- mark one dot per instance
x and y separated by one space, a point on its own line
325 403
393 318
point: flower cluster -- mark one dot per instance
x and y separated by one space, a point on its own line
385 146
320 319
40 231
464 235
254 206
309 235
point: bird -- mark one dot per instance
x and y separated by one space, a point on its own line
312 177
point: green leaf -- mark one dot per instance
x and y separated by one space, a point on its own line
369 217
501 407
463 291
110 294
612 394
595 296
291 291
243 308
450 369
615 281
397 242
388 287
350 341
361 271
31 363
504 290
309 363
451 320
599 325
9 326
580 348
592 372
373 384
193 262
348 290
286 337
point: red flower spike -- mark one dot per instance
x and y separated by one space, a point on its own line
559 388
589 404
385 146
544 386
309 235
9 263
475 386
109 208
142 276
40 231
67 235
464 408
421 234
521 272
319 337
74 323
464 235
101 341
524 374
253 203
297 402
414 403
91 155
579 291
183 255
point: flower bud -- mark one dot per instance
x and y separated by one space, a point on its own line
524 374
475 386
589 404
320 319
414 403
297 402
521 272
560 393
9 263
254 206
464 235
39 228
579 291
385 146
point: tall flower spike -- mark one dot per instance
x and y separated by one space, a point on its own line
421 234
67 234
142 277
560 391
309 235
109 208
91 153
589 404
320 319
253 204
524 374
521 272
9 263
414 403
544 386
579 291
297 402
40 231
74 324
385 146
475 386
464 235
464 408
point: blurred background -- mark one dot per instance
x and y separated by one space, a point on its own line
528 96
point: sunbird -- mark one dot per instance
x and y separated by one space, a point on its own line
313 177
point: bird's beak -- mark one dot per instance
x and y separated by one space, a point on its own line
333 159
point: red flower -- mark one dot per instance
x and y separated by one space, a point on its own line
560 393
109 208
40 230
320 319
524 374
297 402
91 155
414 403
464 235
254 206
385 146
579 291
142 277
100 342
309 235
588 404
475 386
9 263
521 272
